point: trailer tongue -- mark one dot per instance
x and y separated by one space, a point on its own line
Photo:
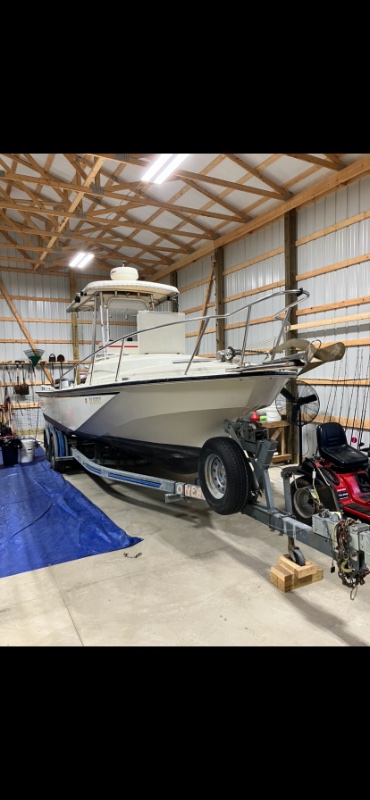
345 540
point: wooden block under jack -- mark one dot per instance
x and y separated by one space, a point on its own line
287 575
301 572
281 578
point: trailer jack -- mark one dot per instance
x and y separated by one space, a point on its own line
345 540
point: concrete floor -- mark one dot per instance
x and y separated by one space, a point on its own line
197 579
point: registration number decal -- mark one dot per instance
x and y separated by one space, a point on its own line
94 400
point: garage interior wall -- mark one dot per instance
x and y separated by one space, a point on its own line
333 257
333 265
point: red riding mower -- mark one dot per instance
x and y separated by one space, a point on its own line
337 478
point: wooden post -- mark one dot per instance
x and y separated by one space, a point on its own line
290 255
219 296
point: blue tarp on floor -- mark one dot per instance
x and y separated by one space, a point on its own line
44 520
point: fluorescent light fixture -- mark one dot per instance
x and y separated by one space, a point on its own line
81 259
170 167
170 160
158 163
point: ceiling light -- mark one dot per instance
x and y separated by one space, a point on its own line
81 259
170 167
156 166
160 171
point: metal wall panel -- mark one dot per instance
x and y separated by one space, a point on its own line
193 298
252 277
346 243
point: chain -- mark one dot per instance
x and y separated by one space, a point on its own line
349 576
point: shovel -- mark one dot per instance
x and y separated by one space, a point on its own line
61 360
21 388
25 387
52 360
8 402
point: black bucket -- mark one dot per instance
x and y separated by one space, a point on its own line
9 448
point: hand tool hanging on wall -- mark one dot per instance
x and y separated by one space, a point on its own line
34 356
17 388
8 402
61 360
24 385
52 362
2 401
20 388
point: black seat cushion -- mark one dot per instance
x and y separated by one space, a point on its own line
333 445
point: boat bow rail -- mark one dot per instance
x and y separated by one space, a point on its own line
304 351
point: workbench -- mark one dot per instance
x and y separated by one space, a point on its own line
278 432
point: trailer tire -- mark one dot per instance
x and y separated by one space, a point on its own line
223 475
46 443
53 454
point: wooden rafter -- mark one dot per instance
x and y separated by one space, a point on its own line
257 173
72 208
235 187
335 159
216 199
22 326
108 211
321 162
324 187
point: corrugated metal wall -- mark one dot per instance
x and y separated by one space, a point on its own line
343 251
192 283
41 301
251 265
333 242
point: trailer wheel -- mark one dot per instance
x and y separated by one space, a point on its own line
303 503
53 454
46 443
223 475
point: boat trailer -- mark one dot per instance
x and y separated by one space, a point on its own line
345 540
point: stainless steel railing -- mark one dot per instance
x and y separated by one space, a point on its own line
282 315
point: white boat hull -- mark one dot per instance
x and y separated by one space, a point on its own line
179 414
143 394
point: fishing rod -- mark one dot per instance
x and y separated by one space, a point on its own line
341 402
336 364
339 378
353 438
353 388
364 406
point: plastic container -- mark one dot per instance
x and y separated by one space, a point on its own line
27 450
271 413
9 450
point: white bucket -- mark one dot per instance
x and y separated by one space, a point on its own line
271 413
27 450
